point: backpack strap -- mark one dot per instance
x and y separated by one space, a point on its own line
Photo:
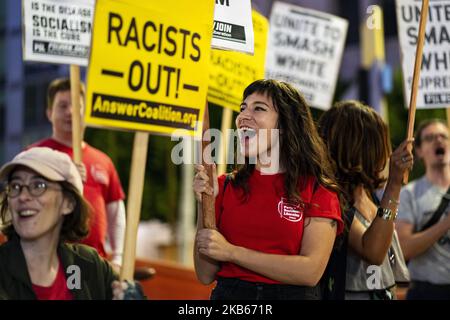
334 277
439 211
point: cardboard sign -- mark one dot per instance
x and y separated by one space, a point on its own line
149 65
233 28
57 31
231 72
305 49
434 83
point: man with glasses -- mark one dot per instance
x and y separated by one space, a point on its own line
425 244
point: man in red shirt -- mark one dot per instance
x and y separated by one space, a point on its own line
102 188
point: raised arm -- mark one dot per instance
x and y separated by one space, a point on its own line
115 211
373 243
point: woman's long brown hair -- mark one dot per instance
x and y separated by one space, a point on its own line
358 143
302 151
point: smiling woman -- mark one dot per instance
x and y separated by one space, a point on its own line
279 216
41 208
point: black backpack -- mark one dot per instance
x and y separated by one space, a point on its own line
332 283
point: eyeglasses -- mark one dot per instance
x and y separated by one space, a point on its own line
432 137
35 188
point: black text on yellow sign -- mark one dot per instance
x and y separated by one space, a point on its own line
153 76
148 68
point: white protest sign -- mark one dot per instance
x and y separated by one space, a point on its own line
305 49
57 31
233 28
434 83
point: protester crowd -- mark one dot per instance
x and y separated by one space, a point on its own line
272 239
326 217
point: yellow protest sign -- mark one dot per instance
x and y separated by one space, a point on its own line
148 69
230 72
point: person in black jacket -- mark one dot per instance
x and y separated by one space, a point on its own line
41 210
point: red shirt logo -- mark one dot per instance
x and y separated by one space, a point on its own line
99 175
290 211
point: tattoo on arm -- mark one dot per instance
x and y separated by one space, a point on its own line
307 223
333 223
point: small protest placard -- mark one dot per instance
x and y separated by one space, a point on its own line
305 49
57 31
149 66
233 29
434 83
231 72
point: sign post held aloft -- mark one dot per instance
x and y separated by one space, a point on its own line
227 119
208 210
153 78
77 132
447 113
136 185
416 76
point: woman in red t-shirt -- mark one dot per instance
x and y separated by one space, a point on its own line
278 214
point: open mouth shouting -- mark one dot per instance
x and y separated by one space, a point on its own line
247 139
439 151
246 133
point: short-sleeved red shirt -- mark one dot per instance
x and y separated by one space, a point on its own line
102 187
57 291
267 222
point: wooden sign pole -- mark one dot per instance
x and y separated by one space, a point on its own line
209 218
136 186
416 76
75 88
447 113
227 119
